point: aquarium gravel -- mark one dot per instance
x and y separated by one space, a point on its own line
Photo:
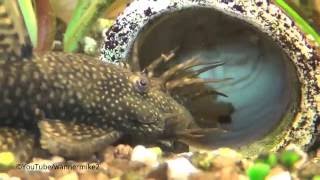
125 162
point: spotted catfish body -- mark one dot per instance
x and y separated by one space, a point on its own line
77 104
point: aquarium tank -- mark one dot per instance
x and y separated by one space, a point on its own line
160 89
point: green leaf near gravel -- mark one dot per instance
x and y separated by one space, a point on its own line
289 158
258 171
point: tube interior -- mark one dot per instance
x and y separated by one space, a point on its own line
264 86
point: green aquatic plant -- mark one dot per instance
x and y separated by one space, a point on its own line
40 24
84 16
30 19
303 24
87 12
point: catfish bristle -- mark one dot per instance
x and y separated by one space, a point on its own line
197 133
163 58
208 93
191 81
182 66
205 69
135 65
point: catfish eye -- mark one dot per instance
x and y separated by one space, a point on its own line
142 84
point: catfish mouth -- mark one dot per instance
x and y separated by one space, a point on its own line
179 127
261 98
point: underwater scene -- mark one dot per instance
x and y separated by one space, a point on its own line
160 89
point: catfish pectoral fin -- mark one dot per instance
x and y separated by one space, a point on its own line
72 139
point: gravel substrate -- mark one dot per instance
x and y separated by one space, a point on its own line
125 162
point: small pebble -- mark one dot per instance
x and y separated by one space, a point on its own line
161 172
15 178
203 175
90 45
4 176
57 159
58 173
285 175
113 172
131 175
185 155
180 168
7 160
70 176
144 155
18 173
156 150
122 151
299 159
87 176
227 152
103 166
202 160
101 176
108 154
309 170
318 151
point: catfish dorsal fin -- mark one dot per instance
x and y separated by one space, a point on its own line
14 39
